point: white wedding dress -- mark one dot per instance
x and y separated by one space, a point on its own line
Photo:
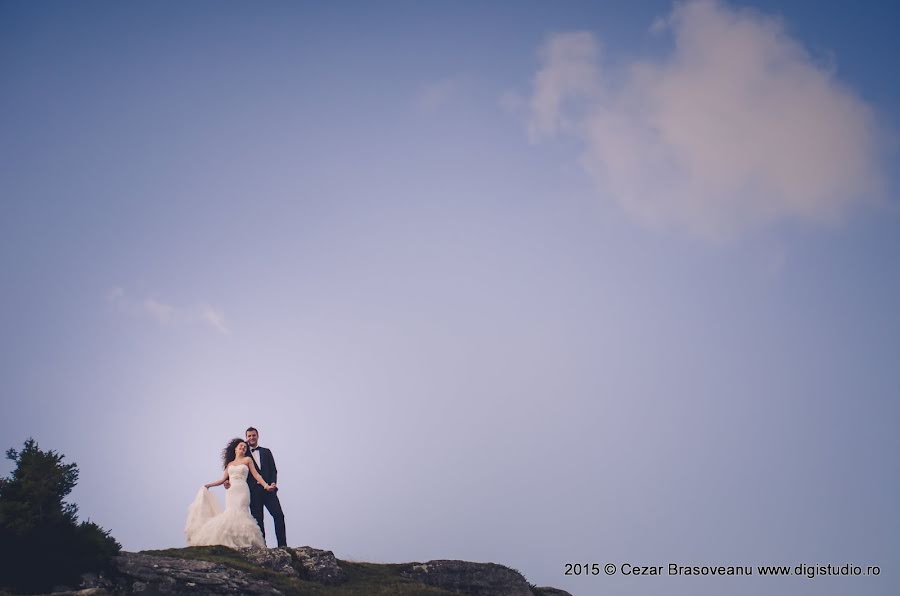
208 525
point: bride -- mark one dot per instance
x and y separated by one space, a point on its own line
208 525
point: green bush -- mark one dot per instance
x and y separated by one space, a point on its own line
42 544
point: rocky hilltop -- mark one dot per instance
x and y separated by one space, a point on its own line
298 571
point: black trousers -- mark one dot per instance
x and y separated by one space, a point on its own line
259 498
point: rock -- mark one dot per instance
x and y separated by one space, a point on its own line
278 560
136 572
95 583
305 562
476 579
320 565
301 570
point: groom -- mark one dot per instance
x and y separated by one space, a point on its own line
259 496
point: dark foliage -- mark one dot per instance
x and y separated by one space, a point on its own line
42 544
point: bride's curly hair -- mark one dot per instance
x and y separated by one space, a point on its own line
228 452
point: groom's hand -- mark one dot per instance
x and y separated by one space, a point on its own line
227 485
272 487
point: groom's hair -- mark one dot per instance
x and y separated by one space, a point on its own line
249 429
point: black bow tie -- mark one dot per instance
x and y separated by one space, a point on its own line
252 449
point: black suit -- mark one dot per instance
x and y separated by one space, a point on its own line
260 497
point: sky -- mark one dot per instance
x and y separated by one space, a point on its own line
533 283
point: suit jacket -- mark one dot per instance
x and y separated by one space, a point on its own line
266 469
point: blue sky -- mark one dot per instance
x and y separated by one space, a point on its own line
531 283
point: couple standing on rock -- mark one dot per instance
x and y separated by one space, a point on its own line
250 477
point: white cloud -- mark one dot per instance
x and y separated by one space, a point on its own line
569 73
115 294
167 314
164 313
737 126
215 318
433 96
